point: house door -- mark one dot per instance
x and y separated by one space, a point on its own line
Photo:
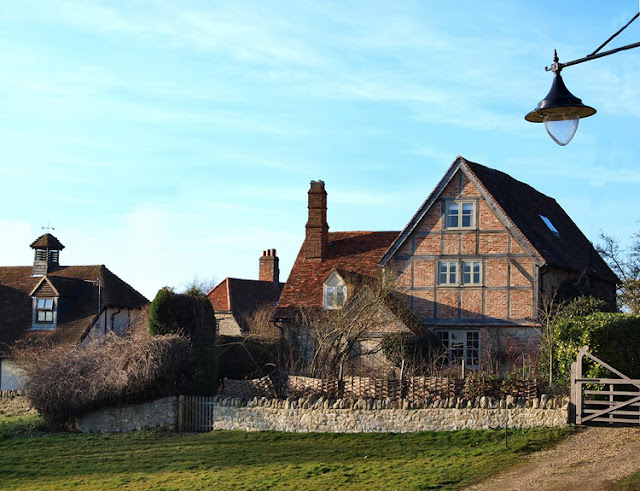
462 345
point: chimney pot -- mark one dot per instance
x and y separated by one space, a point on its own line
317 229
269 266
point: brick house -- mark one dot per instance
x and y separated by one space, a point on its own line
61 305
234 299
472 264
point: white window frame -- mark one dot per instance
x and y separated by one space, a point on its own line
46 305
472 273
459 207
461 344
334 292
448 272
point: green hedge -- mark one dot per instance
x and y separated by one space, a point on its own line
191 315
612 337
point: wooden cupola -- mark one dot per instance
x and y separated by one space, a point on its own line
47 254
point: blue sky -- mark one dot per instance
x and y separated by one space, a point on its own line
173 140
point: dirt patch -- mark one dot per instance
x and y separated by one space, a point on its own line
589 460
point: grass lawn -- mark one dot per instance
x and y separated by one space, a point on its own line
629 483
33 459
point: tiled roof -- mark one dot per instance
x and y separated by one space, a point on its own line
47 241
77 308
241 297
356 252
524 206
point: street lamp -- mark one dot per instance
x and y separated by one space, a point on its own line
560 110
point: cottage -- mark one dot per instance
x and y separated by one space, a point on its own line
234 299
50 303
472 265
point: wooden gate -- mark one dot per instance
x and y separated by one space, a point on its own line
596 400
195 413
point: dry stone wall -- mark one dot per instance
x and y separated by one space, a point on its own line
366 415
161 413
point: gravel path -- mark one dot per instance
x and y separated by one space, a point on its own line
589 460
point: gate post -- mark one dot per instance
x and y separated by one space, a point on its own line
572 391
181 414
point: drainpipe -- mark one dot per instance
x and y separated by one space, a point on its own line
112 318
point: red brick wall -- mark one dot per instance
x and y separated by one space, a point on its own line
505 293
219 297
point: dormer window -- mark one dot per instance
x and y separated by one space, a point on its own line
460 214
44 312
334 292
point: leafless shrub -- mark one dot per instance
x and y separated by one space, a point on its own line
64 382
258 321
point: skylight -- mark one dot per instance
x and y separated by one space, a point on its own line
549 225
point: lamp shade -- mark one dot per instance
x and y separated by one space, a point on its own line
560 111
559 105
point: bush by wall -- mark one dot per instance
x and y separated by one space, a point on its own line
189 314
63 383
612 337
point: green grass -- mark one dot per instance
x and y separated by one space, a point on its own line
30 459
629 483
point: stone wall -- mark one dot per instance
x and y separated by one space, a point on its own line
15 403
161 413
364 416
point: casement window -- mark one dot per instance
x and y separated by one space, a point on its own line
461 345
453 273
460 214
334 292
44 310
471 272
44 314
448 273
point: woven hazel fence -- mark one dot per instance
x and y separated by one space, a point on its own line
413 389
419 388
298 386
248 389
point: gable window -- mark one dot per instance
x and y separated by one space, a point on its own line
44 313
471 272
44 310
334 292
460 214
448 273
461 345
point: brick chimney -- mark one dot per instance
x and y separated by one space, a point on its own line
317 237
269 270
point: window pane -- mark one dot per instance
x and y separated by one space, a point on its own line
48 303
452 273
466 272
40 303
442 274
452 215
467 214
41 315
48 316
339 296
476 272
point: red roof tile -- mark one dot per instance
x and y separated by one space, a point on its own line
357 252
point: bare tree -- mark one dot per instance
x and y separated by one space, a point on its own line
626 264
547 311
326 342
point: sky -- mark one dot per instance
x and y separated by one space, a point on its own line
175 141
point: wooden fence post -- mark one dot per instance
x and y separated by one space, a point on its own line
180 413
573 393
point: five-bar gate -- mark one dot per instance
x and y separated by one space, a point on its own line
603 400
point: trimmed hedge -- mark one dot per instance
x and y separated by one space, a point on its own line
190 314
612 337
